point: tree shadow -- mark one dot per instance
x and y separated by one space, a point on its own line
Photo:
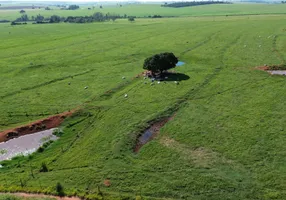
174 77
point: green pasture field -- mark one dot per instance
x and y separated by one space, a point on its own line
146 10
226 141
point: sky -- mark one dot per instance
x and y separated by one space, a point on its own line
95 1
87 1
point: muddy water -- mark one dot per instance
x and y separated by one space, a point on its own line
277 72
25 145
150 133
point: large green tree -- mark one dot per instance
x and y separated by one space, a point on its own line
160 62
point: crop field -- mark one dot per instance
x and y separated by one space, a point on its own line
225 139
146 10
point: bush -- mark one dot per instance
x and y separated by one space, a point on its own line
73 7
60 189
131 19
58 132
41 149
44 167
277 67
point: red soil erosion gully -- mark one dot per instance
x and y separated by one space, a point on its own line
273 70
40 125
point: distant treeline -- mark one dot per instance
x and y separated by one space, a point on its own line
4 21
96 17
193 3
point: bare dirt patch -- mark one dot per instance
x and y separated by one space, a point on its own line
263 68
200 156
107 182
40 125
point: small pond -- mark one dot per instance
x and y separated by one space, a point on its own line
25 145
180 63
277 72
150 133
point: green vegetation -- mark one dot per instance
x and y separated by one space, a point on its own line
146 10
227 138
3 151
277 67
14 197
160 62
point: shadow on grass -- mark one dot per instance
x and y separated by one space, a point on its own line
174 77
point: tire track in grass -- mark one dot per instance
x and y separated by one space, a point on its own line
206 81
184 99
275 49
80 57
61 38
216 70
196 46
51 82
44 84
82 42
119 89
93 52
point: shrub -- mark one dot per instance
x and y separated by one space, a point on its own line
131 19
44 167
277 67
60 189
41 149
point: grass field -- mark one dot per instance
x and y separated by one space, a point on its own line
226 141
145 10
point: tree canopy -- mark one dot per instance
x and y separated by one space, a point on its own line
73 7
55 19
160 62
131 18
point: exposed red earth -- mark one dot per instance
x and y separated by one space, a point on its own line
39 125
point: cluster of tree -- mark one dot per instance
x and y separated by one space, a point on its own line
23 18
38 18
131 18
159 63
73 7
48 8
96 17
193 3
155 16
283 1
